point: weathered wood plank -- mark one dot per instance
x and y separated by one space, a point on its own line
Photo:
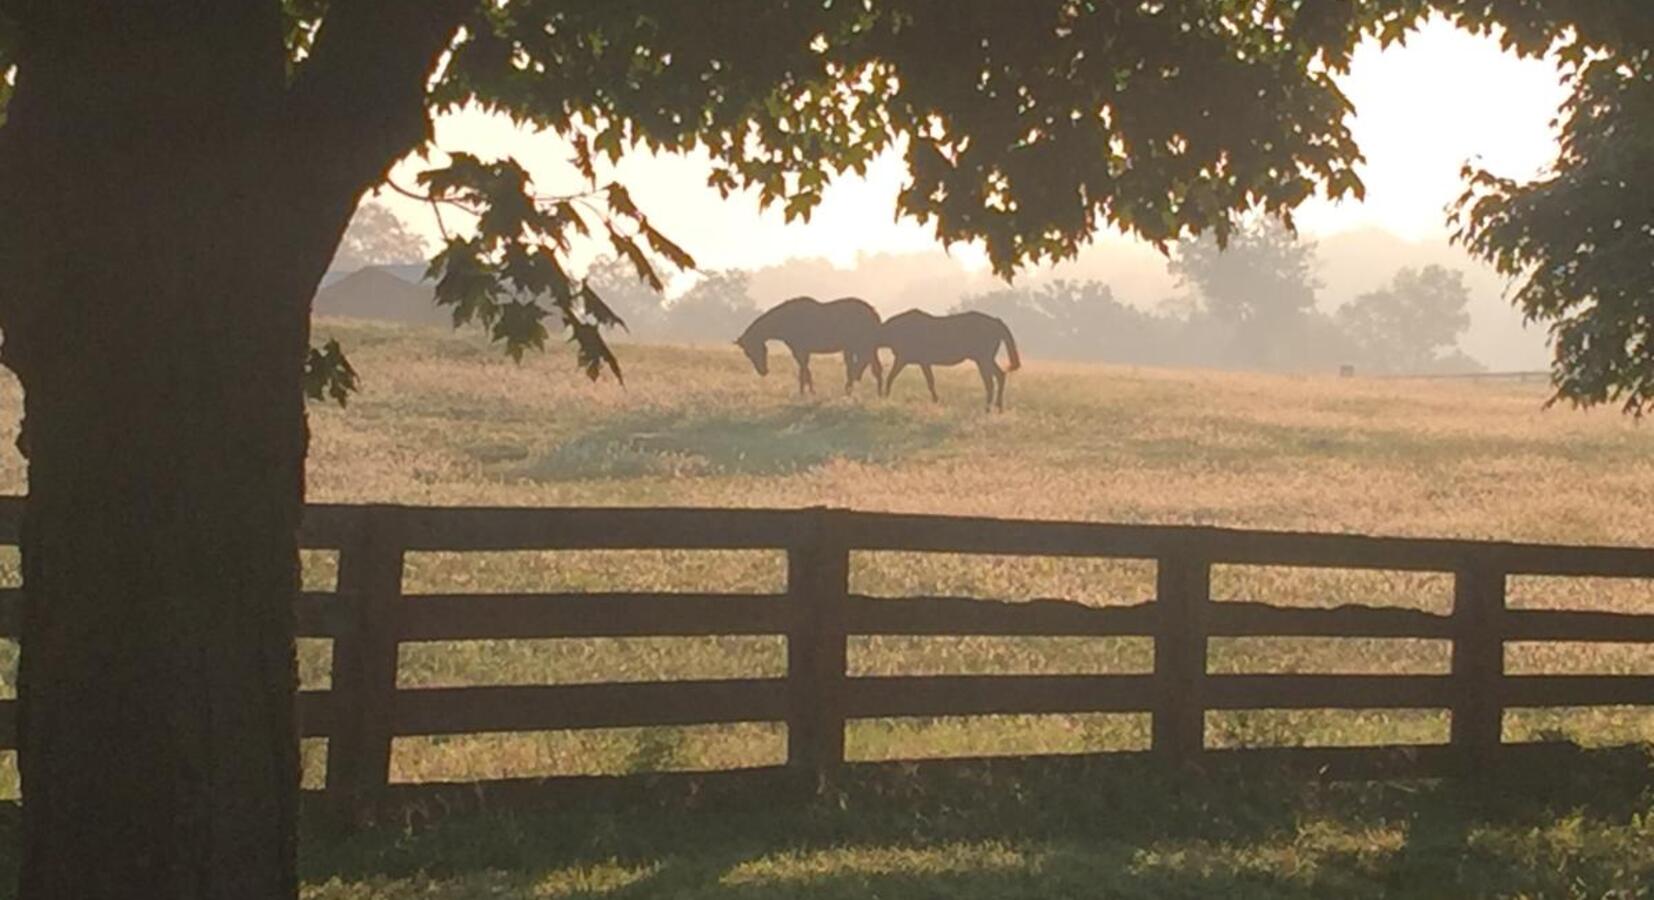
1577 690
1478 663
1578 561
1577 625
1183 588
365 662
11 519
1328 691
525 528
1247 619
11 613
322 614
466 617
1343 551
1286 548
952 534
968 616
818 585
1024 537
316 713
330 526
980 695
471 528
431 711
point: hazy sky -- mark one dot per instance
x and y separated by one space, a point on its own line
1423 109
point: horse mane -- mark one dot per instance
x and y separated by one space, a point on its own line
768 314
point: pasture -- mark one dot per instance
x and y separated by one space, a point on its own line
445 420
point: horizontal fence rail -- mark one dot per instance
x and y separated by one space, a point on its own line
370 615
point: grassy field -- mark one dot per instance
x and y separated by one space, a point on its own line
444 420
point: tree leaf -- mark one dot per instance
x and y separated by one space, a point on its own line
634 254
593 353
328 375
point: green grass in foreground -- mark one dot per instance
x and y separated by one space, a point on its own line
1124 830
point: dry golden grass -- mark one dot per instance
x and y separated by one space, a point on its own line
443 419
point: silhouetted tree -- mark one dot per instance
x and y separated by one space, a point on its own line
1264 275
636 303
377 237
176 176
714 311
1255 295
1078 320
1579 240
1411 325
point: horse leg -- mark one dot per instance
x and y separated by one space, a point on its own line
1000 374
805 382
878 371
849 372
990 377
930 382
895 369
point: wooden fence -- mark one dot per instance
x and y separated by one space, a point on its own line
1526 376
368 616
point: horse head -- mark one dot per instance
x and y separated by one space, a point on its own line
757 351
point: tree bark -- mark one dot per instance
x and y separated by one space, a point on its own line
169 201
159 326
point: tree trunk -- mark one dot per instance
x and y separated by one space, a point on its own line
157 316
157 672
169 200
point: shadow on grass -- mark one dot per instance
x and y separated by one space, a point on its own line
772 442
1105 829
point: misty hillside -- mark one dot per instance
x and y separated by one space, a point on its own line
1350 264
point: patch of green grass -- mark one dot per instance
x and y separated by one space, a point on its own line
784 441
1057 831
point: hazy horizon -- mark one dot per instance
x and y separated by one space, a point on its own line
1422 110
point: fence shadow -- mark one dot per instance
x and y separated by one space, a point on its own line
1020 829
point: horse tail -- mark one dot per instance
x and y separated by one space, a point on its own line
1010 347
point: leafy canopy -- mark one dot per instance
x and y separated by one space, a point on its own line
1412 324
1026 126
1579 240
1262 278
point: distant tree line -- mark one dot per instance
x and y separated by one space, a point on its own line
1249 306
715 310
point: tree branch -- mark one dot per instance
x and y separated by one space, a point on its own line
358 103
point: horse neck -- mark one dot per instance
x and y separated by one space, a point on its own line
769 326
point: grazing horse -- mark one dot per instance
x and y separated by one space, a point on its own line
924 340
806 325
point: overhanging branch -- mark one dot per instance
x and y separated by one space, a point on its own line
359 101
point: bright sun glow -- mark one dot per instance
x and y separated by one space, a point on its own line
1422 110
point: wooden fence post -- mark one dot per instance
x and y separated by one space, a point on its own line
818 585
1182 593
364 665
1478 663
